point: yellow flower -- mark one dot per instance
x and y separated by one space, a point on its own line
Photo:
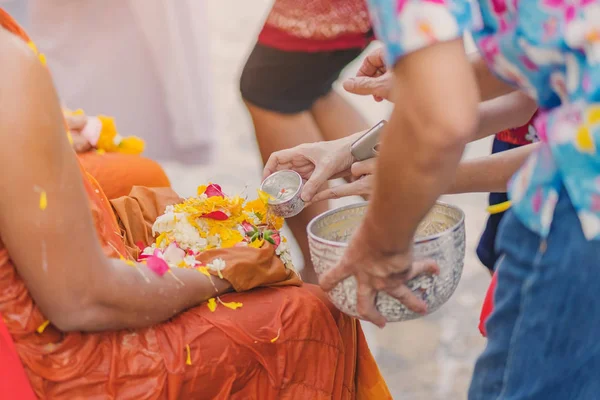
264 197
201 189
257 244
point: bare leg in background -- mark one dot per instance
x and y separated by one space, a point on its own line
331 117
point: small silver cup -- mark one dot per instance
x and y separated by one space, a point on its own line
285 188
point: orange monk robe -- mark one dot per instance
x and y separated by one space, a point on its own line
118 173
284 343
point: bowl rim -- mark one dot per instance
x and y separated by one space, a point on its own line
296 192
423 239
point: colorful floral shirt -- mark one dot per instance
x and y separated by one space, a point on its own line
551 49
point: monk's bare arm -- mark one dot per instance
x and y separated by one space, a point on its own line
55 249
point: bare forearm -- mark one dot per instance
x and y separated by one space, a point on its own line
509 111
491 173
423 142
490 86
135 297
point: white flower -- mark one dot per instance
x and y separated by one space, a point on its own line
425 23
218 264
190 261
253 219
214 241
148 251
173 255
180 230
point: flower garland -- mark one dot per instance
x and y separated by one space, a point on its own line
212 220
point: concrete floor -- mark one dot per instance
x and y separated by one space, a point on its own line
430 358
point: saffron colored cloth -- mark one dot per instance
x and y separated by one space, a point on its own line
284 343
118 173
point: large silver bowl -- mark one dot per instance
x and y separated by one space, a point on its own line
441 237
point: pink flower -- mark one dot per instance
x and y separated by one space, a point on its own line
214 190
216 215
157 264
248 227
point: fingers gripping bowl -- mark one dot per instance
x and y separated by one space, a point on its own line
440 236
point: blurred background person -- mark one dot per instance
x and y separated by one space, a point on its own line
145 62
287 82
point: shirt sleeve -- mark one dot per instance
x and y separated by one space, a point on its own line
405 26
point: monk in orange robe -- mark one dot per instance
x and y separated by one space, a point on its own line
88 322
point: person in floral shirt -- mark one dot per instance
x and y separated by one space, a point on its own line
547 273
542 333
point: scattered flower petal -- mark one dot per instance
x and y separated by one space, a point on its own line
43 200
232 305
188 359
212 304
214 191
216 215
157 265
257 244
276 337
264 196
42 327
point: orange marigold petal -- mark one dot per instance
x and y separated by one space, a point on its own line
212 304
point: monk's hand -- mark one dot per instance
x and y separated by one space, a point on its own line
315 162
377 269
372 79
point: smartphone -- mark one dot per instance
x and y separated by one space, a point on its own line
367 146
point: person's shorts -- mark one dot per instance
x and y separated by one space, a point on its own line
290 82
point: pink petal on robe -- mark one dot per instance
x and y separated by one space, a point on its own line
157 265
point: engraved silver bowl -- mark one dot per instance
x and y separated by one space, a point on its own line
285 188
440 236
